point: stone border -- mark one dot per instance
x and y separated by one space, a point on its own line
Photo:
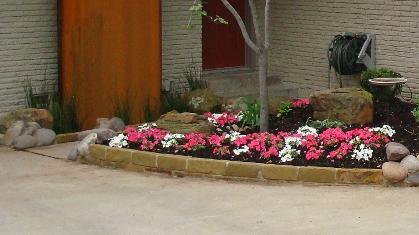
140 161
65 138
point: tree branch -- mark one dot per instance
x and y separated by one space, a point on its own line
255 19
267 22
242 26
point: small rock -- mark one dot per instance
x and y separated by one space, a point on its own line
396 151
103 123
410 163
117 124
82 148
393 172
30 128
15 130
23 142
413 179
45 137
102 134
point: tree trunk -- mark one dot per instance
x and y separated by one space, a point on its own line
263 91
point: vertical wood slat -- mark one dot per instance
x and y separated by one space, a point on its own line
110 50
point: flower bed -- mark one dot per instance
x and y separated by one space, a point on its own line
289 143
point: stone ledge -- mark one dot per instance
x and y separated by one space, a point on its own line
140 161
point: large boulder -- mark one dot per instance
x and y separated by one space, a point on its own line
102 134
202 101
413 179
396 151
24 142
394 172
184 123
41 116
117 124
14 131
411 163
349 105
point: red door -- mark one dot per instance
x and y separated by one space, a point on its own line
223 45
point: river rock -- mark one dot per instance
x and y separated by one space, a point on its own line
117 124
15 130
82 148
45 137
411 163
396 151
30 128
349 105
203 101
184 123
103 123
42 116
394 172
24 142
103 134
413 179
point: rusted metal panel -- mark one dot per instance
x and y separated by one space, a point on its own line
111 50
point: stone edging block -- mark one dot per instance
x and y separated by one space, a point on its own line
140 161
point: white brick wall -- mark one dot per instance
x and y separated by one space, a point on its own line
179 44
302 30
28 47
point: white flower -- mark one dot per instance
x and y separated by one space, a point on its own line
293 141
119 141
232 136
171 140
385 130
240 116
362 152
307 130
197 101
239 151
288 153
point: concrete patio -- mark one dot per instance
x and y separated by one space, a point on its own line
44 195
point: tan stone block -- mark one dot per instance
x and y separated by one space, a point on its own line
135 168
65 138
317 174
168 162
97 151
142 158
359 176
119 155
243 169
278 172
206 166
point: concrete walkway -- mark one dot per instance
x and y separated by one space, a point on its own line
42 195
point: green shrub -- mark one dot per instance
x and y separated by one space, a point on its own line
325 124
380 92
193 75
285 107
415 111
251 115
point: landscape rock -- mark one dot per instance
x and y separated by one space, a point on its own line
184 123
413 179
411 163
103 123
82 148
103 134
349 105
396 151
233 105
44 137
117 124
14 131
394 172
24 142
203 101
42 116
30 128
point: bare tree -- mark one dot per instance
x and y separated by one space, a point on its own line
260 45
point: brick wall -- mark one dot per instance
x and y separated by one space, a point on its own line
302 30
28 47
180 45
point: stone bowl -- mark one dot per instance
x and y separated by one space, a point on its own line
387 81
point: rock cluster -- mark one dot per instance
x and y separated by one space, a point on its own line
41 116
22 135
401 165
349 105
184 123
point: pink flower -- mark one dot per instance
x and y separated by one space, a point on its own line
301 103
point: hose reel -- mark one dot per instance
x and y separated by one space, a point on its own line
351 53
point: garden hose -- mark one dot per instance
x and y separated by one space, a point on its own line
343 55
